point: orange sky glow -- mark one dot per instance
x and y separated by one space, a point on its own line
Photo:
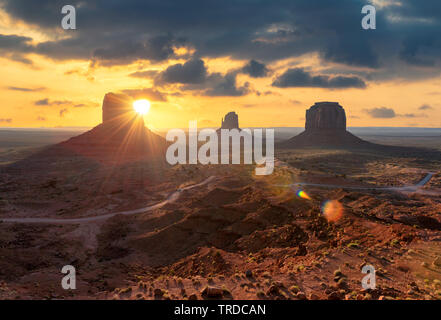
74 90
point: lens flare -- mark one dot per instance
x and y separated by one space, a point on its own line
332 210
302 194
141 106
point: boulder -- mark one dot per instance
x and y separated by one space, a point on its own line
212 292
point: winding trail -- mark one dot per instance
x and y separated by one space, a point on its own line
171 198
416 188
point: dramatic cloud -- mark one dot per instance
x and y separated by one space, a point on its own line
382 113
158 48
144 74
255 69
226 86
42 102
387 113
298 77
9 120
47 102
25 89
191 72
13 42
193 75
147 93
122 32
414 115
425 107
15 48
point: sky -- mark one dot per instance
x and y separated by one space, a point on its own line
197 60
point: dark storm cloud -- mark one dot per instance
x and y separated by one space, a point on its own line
264 30
226 86
120 32
298 77
15 48
255 69
191 72
13 42
293 28
417 25
158 48
193 75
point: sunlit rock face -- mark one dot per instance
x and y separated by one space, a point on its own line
325 115
231 121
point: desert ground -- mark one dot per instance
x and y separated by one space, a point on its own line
221 232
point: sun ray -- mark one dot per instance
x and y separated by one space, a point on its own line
142 106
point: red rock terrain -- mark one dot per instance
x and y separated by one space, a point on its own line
237 236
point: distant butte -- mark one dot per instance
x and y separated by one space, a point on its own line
231 121
325 116
121 135
116 108
325 126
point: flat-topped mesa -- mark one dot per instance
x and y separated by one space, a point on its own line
325 116
231 121
121 136
325 127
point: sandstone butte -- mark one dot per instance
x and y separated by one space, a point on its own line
325 126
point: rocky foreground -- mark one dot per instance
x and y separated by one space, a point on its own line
235 238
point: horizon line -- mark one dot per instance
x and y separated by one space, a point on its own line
208 127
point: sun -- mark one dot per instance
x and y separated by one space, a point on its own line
141 106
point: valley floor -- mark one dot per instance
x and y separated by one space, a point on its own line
236 236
